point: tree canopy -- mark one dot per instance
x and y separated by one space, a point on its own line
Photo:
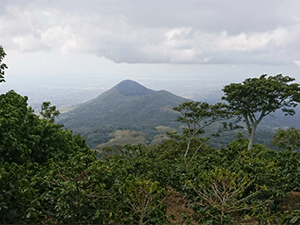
25 137
196 116
255 98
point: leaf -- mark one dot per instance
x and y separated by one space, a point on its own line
295 219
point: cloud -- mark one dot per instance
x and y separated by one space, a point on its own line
297 62
157 32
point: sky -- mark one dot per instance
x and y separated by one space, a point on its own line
92 43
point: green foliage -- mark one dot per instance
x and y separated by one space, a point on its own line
222 192
128 185
18 195
165 164
2 65
49 113
145 200
76 191
24 137
197 116
291 218
256 98
287 139
288 171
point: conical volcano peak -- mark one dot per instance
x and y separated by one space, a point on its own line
131 88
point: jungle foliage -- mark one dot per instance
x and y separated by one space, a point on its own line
48 175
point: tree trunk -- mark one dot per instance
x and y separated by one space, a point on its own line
250 144
251 136
188 148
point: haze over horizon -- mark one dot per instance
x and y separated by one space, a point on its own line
74 49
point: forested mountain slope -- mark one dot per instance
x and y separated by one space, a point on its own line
127 106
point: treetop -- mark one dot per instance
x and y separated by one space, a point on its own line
263 94
2 65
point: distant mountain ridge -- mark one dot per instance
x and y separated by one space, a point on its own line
126 106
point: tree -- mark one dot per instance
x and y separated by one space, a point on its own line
256 98
197 116
24 137
2 65
49 113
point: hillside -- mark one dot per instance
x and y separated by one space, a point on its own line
126 106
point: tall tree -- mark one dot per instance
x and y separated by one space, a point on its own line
197 116
256 98
2 65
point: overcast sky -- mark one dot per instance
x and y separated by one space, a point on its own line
228 40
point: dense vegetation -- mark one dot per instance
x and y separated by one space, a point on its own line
49 175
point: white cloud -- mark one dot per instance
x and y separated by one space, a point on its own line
177 37
297 62
264 41
139 33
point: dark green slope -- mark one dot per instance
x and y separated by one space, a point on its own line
129 106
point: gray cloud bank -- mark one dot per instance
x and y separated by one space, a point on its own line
177 32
